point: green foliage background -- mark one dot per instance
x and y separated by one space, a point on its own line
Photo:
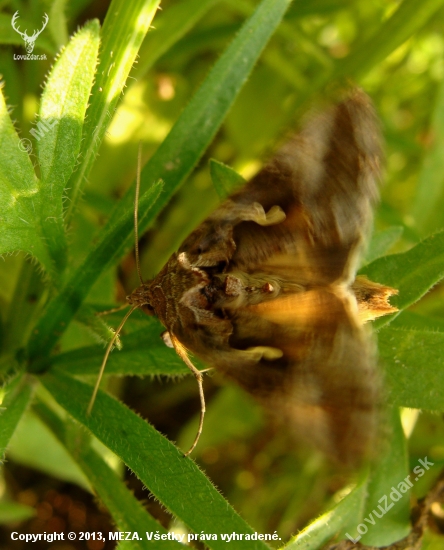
224 79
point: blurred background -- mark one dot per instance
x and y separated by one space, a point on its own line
254 464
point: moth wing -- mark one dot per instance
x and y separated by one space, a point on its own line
324 182
324 385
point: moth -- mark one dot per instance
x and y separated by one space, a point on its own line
265 289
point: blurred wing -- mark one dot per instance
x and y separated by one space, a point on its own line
324 386
324 182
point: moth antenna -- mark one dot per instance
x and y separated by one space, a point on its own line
105 359
182 353
112 310
136 213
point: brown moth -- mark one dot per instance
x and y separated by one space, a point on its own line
265 289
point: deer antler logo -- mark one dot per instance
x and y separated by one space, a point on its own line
29 40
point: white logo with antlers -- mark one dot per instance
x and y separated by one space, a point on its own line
29 40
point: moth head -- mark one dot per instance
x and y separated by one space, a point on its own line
141 298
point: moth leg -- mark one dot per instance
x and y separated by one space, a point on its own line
182 353
166 337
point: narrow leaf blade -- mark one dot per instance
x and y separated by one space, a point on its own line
18 396
171 25
414 367
405 21
175 480
124 29
127 512
225 179
428 204
20 196
59 130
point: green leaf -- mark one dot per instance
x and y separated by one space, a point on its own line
126 510
411 320
57 24
225 179
171 25
63 307
32 218
96 325
382 241
353 515
414 366
345 513
59 130
143 353
20 227
242 418
283 65
405 21
23 307
392 33
175 480
124 29
128 513
413 272
387 480
17 398
34 446
429 201
13 512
